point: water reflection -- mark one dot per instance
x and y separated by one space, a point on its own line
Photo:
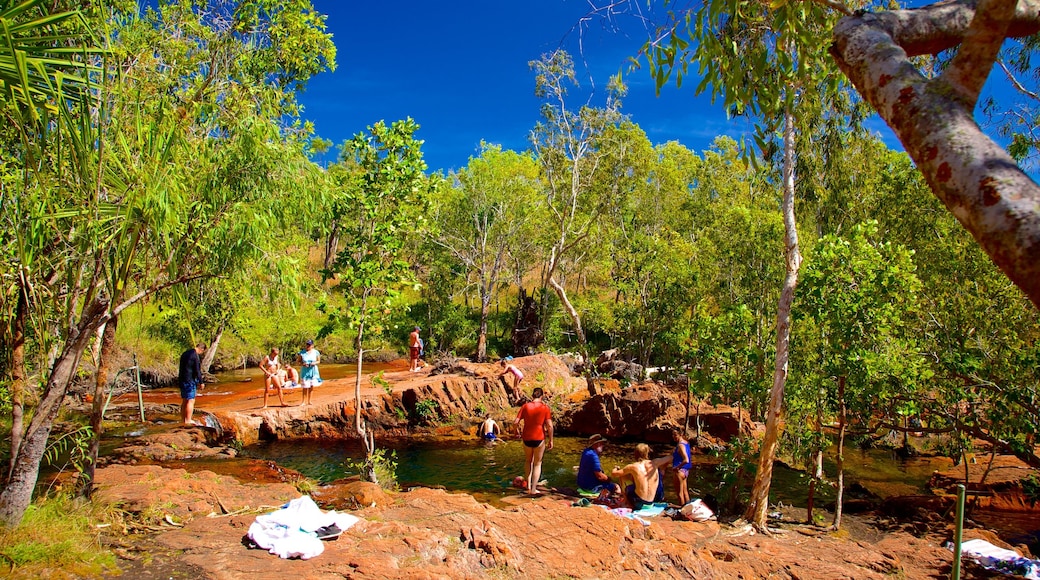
478 467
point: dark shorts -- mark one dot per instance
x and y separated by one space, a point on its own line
413 352
188 389
489 436
638 503
532 443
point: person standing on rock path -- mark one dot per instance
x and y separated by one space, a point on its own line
271 365
189 376
537 435
415 348
309 377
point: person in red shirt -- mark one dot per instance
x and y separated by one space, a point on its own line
537 434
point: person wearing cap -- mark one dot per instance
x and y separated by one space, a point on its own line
414 348
309 377
591 477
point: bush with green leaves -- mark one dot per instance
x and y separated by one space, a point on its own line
382 463
426 410
736 469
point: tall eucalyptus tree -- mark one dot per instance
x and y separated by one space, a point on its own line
568 142
764 61
487 219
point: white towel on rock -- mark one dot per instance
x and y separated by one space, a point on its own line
1000 559
289 532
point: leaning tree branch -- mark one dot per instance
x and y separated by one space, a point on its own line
971 65
1030 459
973 176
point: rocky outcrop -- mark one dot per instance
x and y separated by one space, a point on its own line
645 412
459 393
1001 482
426 533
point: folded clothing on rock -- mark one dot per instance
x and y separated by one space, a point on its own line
292 532
1000 559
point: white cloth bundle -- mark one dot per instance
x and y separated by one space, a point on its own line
289 532
1000 559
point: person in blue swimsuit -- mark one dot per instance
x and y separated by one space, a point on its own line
681 464
489 430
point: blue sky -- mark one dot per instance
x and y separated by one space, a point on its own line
460 69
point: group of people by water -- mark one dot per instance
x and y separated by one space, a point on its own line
637 484
634 485
281 376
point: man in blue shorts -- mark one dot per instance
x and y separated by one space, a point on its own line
189 377
647 484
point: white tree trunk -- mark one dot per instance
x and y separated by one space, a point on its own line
759 503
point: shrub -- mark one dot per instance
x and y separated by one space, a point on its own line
426 410
58 533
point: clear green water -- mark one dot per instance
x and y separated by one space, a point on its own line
477 467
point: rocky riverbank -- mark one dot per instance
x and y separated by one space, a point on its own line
196 513
200 520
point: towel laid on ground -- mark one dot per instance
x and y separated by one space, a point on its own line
1000 559
650 510
290 531
626 513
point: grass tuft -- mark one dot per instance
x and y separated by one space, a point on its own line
58 538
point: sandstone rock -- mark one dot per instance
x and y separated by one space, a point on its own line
156 492
428 533
367 494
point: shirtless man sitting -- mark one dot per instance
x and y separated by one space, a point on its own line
647 485
290 377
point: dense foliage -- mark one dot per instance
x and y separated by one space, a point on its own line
173 194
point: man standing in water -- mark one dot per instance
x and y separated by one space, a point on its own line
189 376
537 434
